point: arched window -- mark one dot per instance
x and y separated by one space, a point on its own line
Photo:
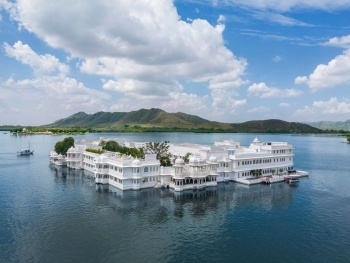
146 169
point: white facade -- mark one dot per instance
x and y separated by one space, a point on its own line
207 165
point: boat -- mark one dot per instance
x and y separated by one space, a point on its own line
345 141
291 179
26 151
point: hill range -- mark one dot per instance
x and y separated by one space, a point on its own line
331 125
159 120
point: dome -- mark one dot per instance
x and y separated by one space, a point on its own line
212 159
53 154
179 161
136 162
195 160
256 140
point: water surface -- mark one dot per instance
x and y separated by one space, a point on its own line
50 214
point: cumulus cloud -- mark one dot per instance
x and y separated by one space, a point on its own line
223 101
330 107
336 72
343 42
139 41
264 91
305 111
50 88
41 64
333 106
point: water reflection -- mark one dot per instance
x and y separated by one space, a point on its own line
197 203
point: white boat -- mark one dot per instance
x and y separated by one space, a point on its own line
26 151
345 141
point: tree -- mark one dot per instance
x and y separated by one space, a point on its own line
160 149
186 157
254 172
61 147
165 161
111 146
102 143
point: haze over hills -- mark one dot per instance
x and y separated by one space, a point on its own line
157 119
331 125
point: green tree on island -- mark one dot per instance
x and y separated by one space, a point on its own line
113 146
161 150
187 157
61 147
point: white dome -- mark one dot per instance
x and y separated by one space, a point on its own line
179 161
54 154
212 159
195 160
256 140
136 162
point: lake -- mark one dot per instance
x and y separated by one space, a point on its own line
50 214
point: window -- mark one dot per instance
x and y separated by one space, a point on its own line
146 170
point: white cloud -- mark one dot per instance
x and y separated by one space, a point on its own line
41 64
223 101
221 19
278 18
277 58
264 91
50 90
153 46
305 111
328 108
259 110
189 103
343 42
333 106
336 72
286 5
142 89
284 104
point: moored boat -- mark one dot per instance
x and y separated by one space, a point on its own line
25 151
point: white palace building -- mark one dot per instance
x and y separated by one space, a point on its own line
207 166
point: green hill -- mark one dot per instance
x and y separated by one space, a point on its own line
331 125
159 120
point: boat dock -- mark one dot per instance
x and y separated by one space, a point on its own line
272 179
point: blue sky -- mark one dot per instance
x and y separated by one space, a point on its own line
229 61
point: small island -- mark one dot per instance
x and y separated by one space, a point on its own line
130 165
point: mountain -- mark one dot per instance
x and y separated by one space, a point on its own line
331 125
157 119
